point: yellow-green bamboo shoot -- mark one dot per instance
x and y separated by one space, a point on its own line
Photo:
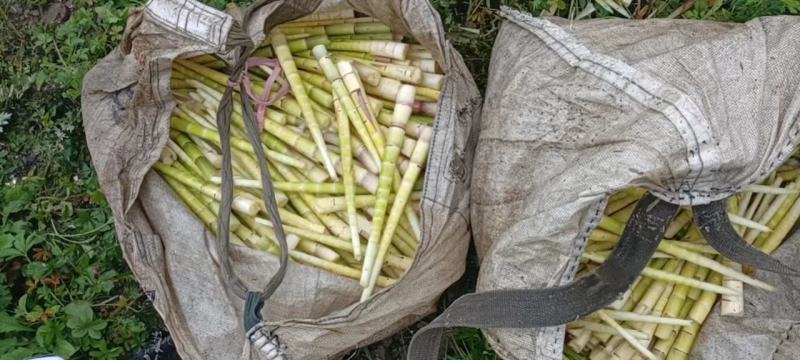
417 163
402 111
299 90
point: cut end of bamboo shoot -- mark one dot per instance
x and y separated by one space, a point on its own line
246 205
167 156
405 95
432 81
319 51
292 240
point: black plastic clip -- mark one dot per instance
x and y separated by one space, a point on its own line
252 309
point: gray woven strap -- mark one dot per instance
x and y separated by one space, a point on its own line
712 220
254 300
239 39
529 308
268 194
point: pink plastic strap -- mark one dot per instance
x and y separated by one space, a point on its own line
263 101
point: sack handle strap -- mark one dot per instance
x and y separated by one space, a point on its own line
254 300
713 222
529 308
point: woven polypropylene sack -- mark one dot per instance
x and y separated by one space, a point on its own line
126 106
576 111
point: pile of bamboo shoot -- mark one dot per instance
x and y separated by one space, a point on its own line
346 147
662 313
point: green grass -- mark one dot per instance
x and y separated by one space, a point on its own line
65 288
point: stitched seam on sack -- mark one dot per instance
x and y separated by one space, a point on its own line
555 333
447 49
578 244
215 26
426 234
581 57
722 192
784 338
161 104
194 10
497 347
446 98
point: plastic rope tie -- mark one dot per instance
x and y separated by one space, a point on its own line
264 100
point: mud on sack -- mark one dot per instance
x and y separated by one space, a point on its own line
126 106
692 111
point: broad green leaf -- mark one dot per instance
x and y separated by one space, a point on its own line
5 295
91 328
82 322
7 248
78 311
6 241
21 353
25 243
36 270
9 324
106 13
16 198
103 352
792 5
45 335
13 206
95 327
22 305
64 348
9 344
